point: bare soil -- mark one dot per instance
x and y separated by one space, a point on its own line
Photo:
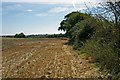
51 58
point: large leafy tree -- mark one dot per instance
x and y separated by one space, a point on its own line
73 25
70 21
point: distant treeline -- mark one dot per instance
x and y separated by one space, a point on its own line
22 35
46 36
10 36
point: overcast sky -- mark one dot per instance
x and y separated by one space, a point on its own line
38 16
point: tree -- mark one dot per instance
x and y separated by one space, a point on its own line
109 11
70 21
16 35
73 23
21 35
114 7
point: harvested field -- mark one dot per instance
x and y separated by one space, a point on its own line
51 58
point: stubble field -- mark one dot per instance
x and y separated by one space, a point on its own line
44 57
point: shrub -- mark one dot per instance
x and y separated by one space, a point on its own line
104 49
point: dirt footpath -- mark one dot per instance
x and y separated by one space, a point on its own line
51 58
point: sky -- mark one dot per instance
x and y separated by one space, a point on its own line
38 16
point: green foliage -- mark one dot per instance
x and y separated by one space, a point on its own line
78 28
97 37
70 21
21 35
104 48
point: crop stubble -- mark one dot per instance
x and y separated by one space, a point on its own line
35 58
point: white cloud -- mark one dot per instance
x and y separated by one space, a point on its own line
53 1
29 10
73 3
41 14
41 1
11 7
59 9
77 4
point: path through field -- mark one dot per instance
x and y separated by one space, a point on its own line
35 58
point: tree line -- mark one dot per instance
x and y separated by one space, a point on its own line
22 35
97 35
47 36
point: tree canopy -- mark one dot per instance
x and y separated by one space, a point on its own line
77 25
20 35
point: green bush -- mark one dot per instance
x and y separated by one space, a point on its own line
82 32
104 49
